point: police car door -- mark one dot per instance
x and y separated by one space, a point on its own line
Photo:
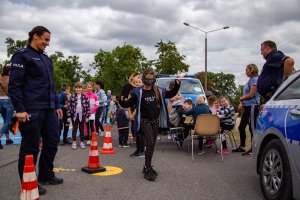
291 96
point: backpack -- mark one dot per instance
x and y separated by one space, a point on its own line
174 117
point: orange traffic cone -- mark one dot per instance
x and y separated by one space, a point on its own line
29 183
107 145
93 162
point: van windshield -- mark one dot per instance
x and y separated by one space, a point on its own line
188 86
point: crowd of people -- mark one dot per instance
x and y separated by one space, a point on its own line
27 87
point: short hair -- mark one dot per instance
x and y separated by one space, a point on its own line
188 101
254 69
39 30
64 86
78 85
270 44
98 82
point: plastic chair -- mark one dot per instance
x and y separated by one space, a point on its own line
206 125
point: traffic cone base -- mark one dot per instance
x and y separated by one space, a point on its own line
93 162
93 170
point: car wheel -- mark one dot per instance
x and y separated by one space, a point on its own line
275 172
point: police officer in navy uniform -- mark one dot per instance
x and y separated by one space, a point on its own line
31 90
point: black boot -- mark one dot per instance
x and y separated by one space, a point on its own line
42 190
8 142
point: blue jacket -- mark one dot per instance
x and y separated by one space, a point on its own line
271 75
163 119
200 109
121 118
31 82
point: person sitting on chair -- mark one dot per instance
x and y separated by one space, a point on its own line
200 108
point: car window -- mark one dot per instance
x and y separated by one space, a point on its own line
187 85
291 92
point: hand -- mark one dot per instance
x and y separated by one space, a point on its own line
59 113
69 119
22 116
87 120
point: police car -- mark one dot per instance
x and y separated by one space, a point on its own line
276 142
190 87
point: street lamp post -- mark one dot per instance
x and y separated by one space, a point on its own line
205 32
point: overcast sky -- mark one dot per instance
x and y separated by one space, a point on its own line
83 27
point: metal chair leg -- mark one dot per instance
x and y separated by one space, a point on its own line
193 149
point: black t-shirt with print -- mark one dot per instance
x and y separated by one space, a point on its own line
149 108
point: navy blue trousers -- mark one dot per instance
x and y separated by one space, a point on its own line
42 124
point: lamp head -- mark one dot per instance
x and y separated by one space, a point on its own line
225 27
186 24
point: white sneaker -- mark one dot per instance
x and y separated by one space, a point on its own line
126 146
88 142
74 145
102 134
82 146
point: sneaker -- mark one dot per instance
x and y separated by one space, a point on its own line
125 146
53 181
102 134
209 144
141 155
200 153
8 142
74 145
225 151
1 147
149 174
239 149
82 146
120 145
152 171
247 153
41 190
88 142
135 154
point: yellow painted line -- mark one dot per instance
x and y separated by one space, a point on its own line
110 170
60 169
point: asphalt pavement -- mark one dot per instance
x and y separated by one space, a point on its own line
178 178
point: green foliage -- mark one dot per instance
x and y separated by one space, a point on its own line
169 60
222 84
67 70
13 46
114 68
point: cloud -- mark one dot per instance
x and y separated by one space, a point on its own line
83 27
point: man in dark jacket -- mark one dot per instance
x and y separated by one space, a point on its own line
31 90
276 69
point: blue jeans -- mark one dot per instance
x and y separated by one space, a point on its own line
7 111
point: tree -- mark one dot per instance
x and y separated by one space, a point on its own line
169 60
13 46
67 70
222 84
114 68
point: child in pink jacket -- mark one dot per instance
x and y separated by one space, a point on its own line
94 104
